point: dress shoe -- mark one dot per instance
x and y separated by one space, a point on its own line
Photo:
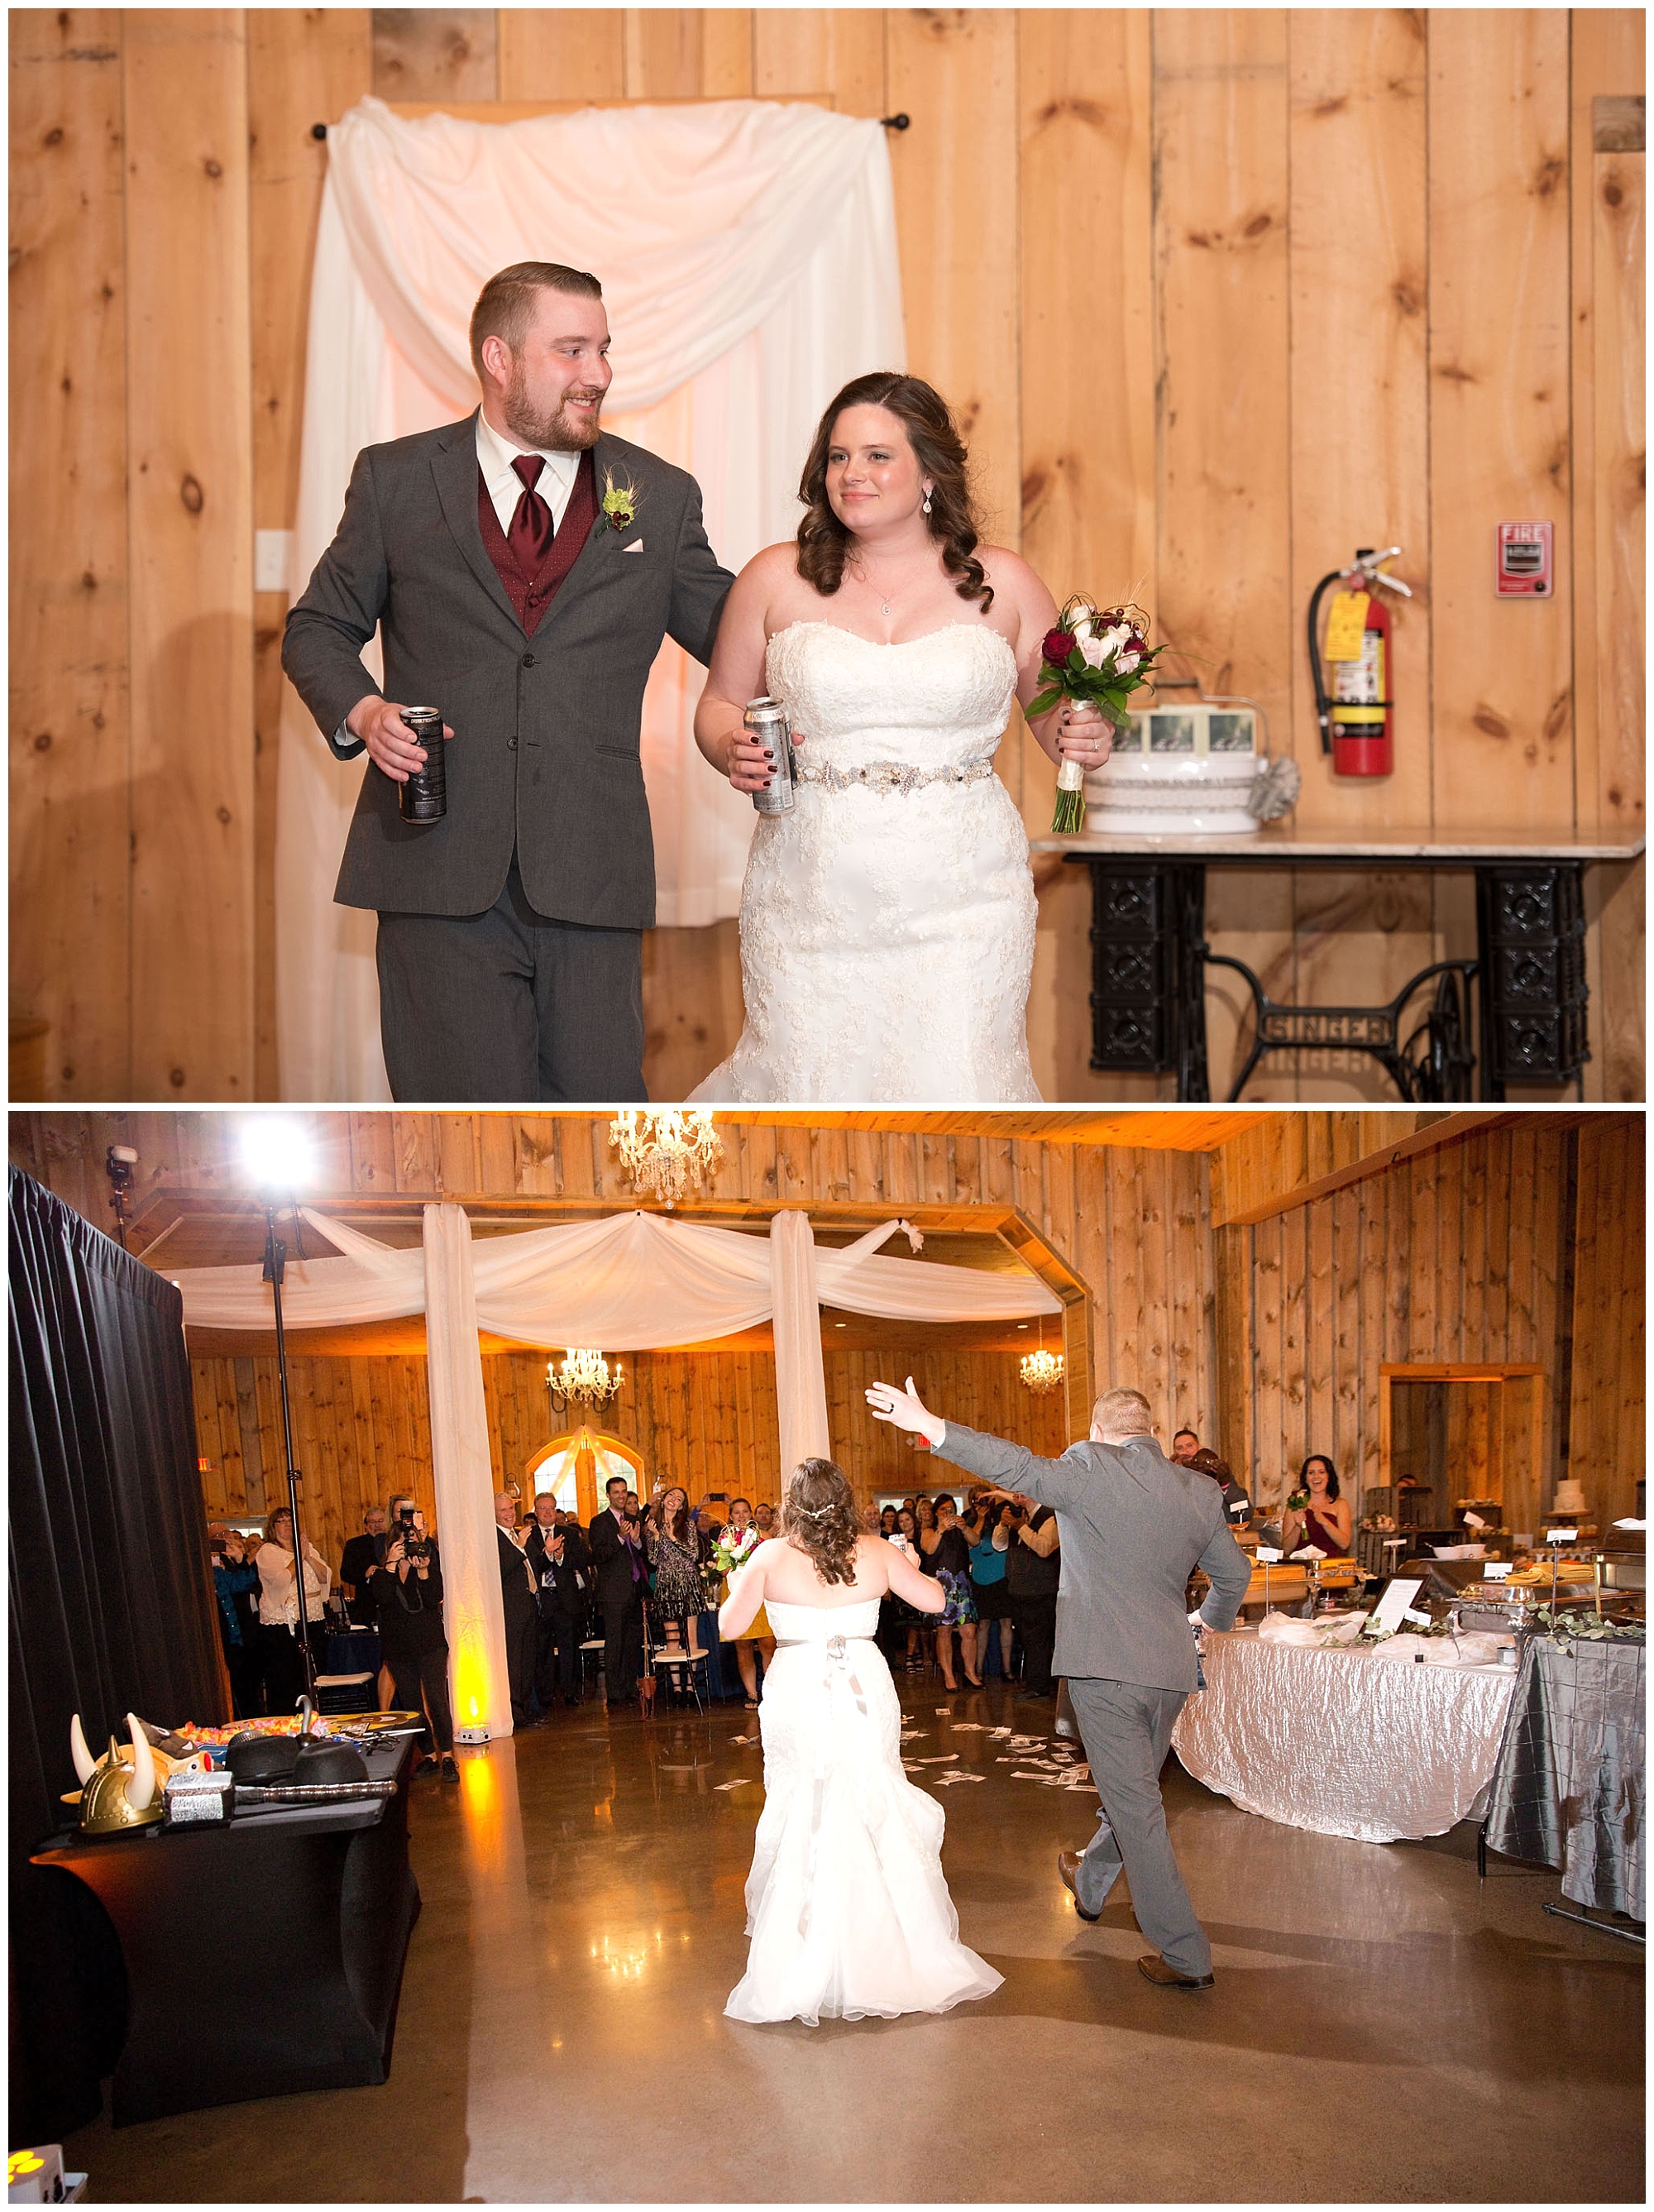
1068 1865
1154 1968
449 1767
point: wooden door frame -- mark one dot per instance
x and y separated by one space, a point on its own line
1459 1371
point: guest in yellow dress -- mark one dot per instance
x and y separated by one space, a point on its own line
736 1543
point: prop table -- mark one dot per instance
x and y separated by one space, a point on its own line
1149 955
1341 1741
1570 1789
261 1957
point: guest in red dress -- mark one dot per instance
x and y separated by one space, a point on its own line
1325 1521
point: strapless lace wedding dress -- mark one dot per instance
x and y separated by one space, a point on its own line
847 1906
888 921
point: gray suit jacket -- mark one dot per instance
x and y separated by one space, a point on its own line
544 756
1132 1523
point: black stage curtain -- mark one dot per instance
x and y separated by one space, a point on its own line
112 1608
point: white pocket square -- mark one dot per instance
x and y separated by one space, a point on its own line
636 546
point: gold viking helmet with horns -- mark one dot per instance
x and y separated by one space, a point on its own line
117 1792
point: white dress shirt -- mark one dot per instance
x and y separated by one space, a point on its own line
277 1604
494 454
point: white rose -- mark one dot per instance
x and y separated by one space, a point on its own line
1093 651
1127 662
1080 623
1118 639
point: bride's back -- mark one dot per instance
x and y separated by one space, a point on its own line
791 1577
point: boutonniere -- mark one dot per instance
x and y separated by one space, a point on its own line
619 503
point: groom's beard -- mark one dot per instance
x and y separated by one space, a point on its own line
556 433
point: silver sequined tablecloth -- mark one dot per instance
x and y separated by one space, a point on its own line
1342 1742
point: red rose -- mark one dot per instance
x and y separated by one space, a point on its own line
1059 644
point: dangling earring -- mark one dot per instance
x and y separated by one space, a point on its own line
927 502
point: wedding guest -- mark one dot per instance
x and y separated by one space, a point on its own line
950 1566
674 1550
235 1578
755 1641
408 1597
361 1554
1184 1445
617 1558
519 1595
989 1586
763 1520
1033 1569
1325 1521
557 1552
1206 1461
278 1609
905 1621
887 1521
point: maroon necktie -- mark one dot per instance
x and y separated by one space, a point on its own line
532 525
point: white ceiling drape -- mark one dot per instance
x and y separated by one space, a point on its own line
627 1282
748 255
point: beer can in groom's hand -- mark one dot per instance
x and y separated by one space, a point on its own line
424 797
766 720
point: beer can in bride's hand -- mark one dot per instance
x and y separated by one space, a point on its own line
765 720
424 797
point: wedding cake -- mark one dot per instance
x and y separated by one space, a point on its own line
1189 771
1570 1498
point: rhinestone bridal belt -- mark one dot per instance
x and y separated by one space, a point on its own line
890 775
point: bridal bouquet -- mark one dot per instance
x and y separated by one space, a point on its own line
1097 659
733 1550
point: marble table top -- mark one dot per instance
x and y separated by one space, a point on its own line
1285 845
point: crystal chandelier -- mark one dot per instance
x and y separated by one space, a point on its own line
583 1378
1042 1370
661 1151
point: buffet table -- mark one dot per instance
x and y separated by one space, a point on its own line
261 1957
1342 1740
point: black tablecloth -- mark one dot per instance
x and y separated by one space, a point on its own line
261 1958
1569 1789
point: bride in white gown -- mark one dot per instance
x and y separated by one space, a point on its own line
888 920
847 1906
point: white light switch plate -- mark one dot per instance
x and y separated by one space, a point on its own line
272 560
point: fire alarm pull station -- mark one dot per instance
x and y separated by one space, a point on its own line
1524 568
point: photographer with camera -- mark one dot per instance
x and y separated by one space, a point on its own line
407 1595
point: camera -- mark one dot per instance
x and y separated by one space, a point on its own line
413 1545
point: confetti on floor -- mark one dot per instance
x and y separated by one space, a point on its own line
974 1727
940 1708
941 1759
741 1782
959 1774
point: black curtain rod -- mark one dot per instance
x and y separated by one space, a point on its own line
890 122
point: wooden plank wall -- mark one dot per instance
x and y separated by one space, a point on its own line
361 1428
1306 235
1456 1255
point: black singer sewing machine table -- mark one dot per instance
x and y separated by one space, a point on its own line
1149 958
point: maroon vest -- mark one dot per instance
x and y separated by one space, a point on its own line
532 595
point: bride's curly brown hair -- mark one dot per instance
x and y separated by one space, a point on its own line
824 541
819 1514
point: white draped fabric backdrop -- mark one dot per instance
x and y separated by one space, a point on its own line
748 255
628 1282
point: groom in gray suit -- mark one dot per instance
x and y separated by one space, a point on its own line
521 568
1133 1524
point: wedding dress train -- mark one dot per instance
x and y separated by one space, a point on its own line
847 1907
888 920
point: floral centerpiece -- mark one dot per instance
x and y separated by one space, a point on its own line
1096 658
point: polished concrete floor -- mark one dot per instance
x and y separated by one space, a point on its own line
1382 2026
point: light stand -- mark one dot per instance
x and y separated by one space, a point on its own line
276 1258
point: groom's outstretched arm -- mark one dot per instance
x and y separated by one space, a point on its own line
338 612
700 586
1054 1482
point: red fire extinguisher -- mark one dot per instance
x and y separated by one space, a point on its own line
1357 725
